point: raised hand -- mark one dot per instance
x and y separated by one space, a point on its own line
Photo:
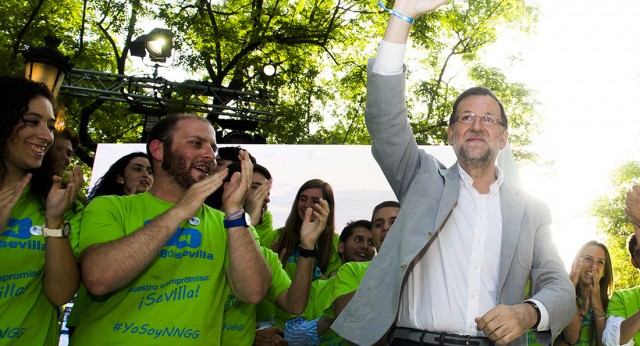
594 287
633 204
311 230
416 8
398 29
235 191
9 196
59 199
256 199
195 195
505 323
576 268
636 230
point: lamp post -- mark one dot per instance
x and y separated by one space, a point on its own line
46 64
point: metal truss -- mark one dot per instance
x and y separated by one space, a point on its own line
147 95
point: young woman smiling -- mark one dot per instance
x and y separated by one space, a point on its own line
37 264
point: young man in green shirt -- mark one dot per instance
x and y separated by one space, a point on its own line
158 265
623 312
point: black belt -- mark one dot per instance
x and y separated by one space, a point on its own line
423 337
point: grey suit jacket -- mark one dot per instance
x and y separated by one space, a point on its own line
428 192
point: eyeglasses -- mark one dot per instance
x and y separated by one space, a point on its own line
469 118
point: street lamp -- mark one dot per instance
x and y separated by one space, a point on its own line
158 43
46 64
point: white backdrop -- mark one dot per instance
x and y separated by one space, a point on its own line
356 179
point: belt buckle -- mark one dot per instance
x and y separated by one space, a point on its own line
455 339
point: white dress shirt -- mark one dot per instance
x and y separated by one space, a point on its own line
457 279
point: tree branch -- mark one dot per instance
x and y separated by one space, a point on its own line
24 28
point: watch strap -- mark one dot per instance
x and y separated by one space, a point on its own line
306 252
236 222
62 232
538 314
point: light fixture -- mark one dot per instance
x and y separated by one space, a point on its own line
269 70
46 64
158 43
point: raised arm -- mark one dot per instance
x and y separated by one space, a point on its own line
61 274
248 273
109 266
294 300
386 113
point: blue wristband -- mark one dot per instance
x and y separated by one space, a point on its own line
396 13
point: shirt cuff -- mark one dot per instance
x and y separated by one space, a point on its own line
390 59
611 333
544 316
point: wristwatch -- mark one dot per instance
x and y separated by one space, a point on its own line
62 232
240 219
538 314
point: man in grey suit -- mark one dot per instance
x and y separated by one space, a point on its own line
466 242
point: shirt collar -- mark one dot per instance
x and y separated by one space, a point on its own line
466 180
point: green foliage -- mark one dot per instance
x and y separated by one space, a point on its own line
319 48
452 41
520 105
25 23
612 221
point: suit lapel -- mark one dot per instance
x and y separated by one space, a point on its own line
512 213
449 195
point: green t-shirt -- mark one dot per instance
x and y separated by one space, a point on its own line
178 299
266 310
26 315
624 303
346 281
321 303
349 277
239 327
265 227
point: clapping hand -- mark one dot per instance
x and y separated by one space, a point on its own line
9 196
633 205
235 191
594 288
256 199
576 269
196 194
315 220
60 199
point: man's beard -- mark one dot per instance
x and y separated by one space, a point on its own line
176 165
465 157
